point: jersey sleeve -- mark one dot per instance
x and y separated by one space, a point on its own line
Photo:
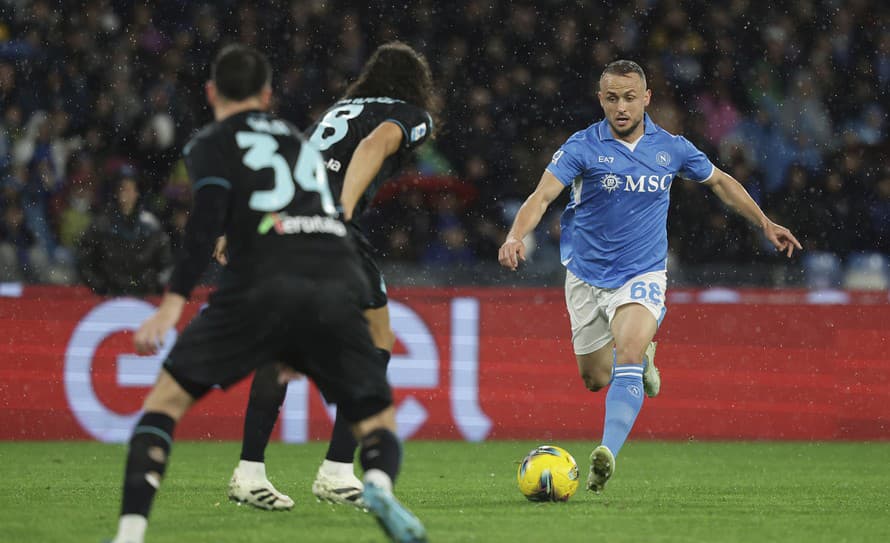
205 222
205 164
567 163
696 166
211 189
416 124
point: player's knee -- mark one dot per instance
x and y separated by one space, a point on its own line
384 419
626 355
172 396
595 379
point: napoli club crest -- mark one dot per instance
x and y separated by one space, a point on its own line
662 158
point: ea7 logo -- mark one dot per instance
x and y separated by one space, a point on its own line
606 159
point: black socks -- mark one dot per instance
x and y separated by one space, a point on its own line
146 462
266 397
381 450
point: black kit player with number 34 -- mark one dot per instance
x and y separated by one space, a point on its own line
291 294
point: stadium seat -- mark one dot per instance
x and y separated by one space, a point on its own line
867 271
822 270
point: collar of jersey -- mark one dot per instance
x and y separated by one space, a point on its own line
606 134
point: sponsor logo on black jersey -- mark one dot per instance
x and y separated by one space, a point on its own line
282 223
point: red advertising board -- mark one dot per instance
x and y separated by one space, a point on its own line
485 364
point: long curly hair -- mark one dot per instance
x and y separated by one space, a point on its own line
396 70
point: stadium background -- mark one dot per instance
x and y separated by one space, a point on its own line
792 101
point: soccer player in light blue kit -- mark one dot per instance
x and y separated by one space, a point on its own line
614 244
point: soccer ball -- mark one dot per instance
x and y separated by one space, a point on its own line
548 473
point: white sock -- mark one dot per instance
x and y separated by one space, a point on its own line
131 529
378 478
254 471
339 470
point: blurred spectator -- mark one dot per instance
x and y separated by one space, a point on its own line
40 185
879 213
797 206
399 246
545 257
125 251
804 114
719 113
838 213
21 258
450 248
765 140
869 127
882 62
177 217
74 203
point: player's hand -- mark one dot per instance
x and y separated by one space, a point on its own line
511 252
781 238
150 336
287 374
219 251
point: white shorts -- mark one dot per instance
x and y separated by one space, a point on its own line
591 308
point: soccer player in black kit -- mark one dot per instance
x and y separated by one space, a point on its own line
291 294
365 138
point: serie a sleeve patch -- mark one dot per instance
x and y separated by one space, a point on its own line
418 132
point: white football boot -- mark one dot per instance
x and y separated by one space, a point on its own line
249 485
336 482
651 377
602 466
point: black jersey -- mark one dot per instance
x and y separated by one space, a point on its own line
343 126
279 207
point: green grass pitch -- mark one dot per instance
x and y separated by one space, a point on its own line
465 492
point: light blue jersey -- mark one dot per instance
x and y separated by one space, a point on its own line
615 226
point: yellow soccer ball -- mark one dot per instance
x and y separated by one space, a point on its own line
548 473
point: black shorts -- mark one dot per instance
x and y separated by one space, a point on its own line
366 252
314 325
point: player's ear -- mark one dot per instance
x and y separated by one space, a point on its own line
210 93
647 97
266 96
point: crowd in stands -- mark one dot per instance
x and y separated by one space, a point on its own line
790 98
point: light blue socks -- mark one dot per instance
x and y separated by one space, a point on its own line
623 403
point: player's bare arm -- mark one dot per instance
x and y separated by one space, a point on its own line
219 251
366 161
150 335
207 219
734 195
528 217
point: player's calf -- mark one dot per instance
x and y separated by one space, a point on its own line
147 456
380 456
